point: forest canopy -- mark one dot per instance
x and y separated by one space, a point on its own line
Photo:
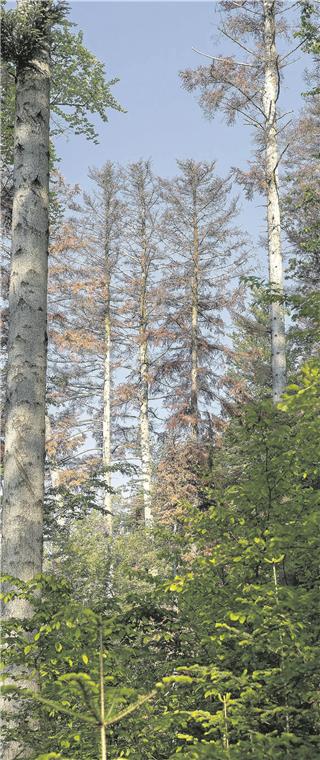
160 404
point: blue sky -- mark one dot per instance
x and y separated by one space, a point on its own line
145 44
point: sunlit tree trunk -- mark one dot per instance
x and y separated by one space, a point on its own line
22 520
144 399
24 459
107 407
235 85
271 94
194 324
140 313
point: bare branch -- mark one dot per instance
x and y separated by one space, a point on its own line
289 63
292 51
281 156
243 6
249 98
217 58
248 116
284 127
285 10
237 42
284 114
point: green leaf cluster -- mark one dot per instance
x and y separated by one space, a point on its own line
79 87
231 640
27 27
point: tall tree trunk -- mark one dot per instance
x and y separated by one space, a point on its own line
107 407
271 94
194 327
144 400
24 459
22 519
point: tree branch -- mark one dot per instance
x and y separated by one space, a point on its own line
281 156
219 58
237 42
279 131
292 51
247 116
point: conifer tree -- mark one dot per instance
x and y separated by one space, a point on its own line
65 429
250 88
102 224
248 367
205 251
301 211
140 307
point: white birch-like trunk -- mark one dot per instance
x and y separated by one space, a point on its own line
144 408
271 94
22 517
24 459
106 434
194 330
145 435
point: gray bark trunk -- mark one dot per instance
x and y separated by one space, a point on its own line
194 327
271 94
107 412
144 401
22 517
23 494
145 434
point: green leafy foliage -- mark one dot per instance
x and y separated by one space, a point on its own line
231 641
254 591
73 650
78 86
309 28
27 27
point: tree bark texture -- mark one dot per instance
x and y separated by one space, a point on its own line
194 324
271 94
107 407
144 398
24 459
22 518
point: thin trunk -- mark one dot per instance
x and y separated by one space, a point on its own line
194 328
103 737
282 650
144 401
22 518
54 471
226 729
107 411
271 94
55 477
